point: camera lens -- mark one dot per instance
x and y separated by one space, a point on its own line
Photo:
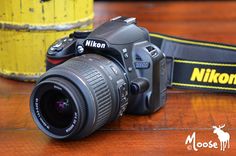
79 96
57 109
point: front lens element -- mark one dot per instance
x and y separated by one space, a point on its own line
56 109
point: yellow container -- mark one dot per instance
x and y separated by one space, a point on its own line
28 27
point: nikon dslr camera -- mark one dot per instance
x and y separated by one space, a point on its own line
94 77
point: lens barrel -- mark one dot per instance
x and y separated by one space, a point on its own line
79 96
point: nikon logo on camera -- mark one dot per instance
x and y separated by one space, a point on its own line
95 44
212 76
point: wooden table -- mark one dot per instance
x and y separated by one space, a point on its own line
162 133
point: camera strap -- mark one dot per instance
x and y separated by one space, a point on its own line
198 64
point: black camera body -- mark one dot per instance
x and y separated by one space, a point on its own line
114 69
143 62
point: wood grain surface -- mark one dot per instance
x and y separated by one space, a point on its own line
163 133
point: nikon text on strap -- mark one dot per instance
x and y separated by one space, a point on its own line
197 64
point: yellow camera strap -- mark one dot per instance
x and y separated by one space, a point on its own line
198 64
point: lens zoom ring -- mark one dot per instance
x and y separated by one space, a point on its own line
102 95
96 81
